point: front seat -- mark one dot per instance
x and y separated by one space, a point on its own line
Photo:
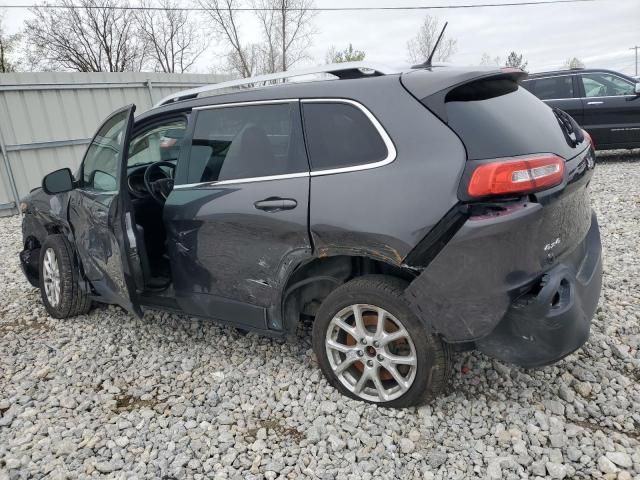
250 154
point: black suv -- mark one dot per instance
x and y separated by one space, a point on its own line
605 103
406 214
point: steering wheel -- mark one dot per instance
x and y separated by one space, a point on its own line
161 188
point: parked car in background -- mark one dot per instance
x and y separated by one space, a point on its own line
605 103
402 212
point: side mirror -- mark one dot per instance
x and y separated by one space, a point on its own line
59 181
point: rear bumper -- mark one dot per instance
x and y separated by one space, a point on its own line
519 316
541 328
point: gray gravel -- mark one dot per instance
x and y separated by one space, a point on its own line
108 395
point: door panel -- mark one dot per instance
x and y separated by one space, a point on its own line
613 120
559 91
611 113
237 220
88 213
97 214
230 259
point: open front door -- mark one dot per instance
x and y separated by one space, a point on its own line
101 218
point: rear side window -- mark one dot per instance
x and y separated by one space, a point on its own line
340 135
497 118
246 141
551 88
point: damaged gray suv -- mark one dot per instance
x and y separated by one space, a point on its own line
407 214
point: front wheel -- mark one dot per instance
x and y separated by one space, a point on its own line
371 346
61 293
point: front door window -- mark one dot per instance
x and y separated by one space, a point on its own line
605 85
100 166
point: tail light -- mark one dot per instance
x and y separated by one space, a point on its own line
587 135
521 175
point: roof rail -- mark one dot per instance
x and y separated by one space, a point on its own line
346 70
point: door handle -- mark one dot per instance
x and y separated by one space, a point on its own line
276 204
595 103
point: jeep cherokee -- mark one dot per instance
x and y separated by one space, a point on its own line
407 214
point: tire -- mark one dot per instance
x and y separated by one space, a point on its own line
57 254
417 383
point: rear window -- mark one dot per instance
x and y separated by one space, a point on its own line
340 135
497 118
246 141
551 88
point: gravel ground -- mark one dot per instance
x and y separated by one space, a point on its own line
173 397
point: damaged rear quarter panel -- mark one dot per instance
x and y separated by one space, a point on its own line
468 287
384 212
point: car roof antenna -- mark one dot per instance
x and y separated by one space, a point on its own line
427 64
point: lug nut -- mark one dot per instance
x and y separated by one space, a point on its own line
360 353
376 344
380 357
370 363
363 341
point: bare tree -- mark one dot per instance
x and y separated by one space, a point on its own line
171 38
86 36
241 57
8 46
286 31
347 55
419 48
268 51
487 60
572 63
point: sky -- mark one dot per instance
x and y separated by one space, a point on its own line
600 33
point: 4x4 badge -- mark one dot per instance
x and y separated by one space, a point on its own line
550 246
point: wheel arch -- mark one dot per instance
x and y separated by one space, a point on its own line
312 281
30 258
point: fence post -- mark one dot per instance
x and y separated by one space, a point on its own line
7 166
150 89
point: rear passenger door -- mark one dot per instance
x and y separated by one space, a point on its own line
237 218
344 140
611 109
558 91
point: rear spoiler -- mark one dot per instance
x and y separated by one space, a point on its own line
431 86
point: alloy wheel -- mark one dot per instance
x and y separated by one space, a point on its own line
51 275
371 353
